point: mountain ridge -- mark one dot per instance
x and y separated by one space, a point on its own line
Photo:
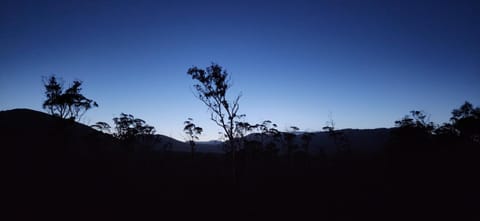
23 120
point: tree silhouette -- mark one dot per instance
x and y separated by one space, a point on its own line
413 132
340 140
128 128
213 84
265 130
53 91
307 139
241 130
247 147
417 120
466 121
289 142
463 128
68 104
102 126
192 132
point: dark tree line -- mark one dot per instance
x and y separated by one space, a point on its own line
71 104
421 156
415 132
428 161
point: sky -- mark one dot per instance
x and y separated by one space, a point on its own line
363 64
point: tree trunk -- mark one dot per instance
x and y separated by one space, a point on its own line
193 152
234 171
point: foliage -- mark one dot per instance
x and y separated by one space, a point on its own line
415 133
213 84
289 142
289 138
102 126
466 122
128 127
306 140
68 104
192 131
340 140
269 129
417 120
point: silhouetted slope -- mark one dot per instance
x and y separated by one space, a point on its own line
47 154
74 165
51 157
32 131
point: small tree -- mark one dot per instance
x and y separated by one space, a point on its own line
242 129
339 139
416 128
307 139
289 142
192 132
213 84
266 128
412 137
102 126
247 147
269 130
53 92
68 104
128 128
418 120
466 120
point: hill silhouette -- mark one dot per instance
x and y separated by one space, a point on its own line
49 153
73 164
62 159
70 164
46 129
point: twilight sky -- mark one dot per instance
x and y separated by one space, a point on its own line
364 63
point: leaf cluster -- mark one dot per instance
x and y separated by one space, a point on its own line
67 104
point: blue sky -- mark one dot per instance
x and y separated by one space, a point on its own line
365 63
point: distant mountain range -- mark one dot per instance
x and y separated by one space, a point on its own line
22 127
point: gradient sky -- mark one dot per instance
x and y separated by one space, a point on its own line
364 63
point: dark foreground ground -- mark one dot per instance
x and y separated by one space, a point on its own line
161 185
53 169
